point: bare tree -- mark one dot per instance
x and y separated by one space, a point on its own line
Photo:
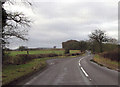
22 48
13 24
83 46
99 36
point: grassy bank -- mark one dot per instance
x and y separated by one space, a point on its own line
106 62
13 72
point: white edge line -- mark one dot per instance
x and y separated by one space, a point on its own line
84 72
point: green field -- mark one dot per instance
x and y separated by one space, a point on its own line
74 51
13 53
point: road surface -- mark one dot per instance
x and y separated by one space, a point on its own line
74 71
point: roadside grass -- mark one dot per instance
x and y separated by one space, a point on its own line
11 72
106 62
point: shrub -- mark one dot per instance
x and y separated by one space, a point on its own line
6 59
45 55
113 55
75 54
67 51
67 54
23 58
5 56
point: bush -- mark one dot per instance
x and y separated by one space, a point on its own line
23 58
75 54
68 54
5 55
67 51
113 55
45 55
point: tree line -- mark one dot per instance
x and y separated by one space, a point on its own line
98 42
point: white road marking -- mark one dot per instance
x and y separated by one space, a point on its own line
82 67
79 64
27 83
52 63
84 72
90 79
81 59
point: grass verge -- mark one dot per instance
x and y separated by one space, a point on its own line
13 72
106 62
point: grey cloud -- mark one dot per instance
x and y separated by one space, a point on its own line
57 22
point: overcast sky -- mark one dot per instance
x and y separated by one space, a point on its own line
56 21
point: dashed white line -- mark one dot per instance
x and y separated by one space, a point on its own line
79 64
81 59
84 72
27 83
82 67
90 79
52 63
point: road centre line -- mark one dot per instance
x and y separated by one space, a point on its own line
79 64
81 59
84 72
82 67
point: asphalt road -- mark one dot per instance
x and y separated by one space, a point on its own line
74 71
